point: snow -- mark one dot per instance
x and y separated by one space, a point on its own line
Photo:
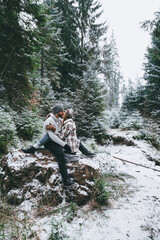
142 145
14 160
133 212
52 178
83 192
134 216
89 162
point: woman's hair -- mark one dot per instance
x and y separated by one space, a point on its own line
70 113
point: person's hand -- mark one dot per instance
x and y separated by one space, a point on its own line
50 127
67 148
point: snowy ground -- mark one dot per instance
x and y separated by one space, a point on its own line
134 209
134 216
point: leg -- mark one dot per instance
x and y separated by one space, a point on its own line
41 142
59 154
85 151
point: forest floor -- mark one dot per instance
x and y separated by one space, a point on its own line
133 210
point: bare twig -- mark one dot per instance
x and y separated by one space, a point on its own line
137 164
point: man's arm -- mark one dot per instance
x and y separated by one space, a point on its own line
55 138
52 135
51 127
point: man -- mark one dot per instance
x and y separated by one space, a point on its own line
55 145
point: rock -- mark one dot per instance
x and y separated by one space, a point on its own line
28 177
120 137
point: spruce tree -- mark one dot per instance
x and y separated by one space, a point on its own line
80 35
69 36
52 50
111 72
18 20
90 105
152 69
146 98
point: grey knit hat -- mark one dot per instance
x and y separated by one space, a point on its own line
57 109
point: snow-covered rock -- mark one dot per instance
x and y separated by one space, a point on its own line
27 176
129 138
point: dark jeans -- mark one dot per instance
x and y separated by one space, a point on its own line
83 149
59 154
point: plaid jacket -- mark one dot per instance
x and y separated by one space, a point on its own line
69 135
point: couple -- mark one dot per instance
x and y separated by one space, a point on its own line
60 134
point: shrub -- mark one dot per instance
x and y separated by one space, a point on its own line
100 193
7 130
27 124
132 121
150 137
11 227
111 118
57 232
99 133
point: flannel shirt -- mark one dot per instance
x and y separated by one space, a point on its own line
69 135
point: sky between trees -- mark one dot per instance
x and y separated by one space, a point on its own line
124 18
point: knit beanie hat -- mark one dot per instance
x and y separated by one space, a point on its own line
57 109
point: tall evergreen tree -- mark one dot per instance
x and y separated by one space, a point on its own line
69 35
80 34
90 104
90 31
146 98
111 72
17 42
152 69
52 50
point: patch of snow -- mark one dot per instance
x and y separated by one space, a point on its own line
17 192
52 178
82 192
89 162
15 160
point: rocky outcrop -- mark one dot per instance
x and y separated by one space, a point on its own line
130 138
27 176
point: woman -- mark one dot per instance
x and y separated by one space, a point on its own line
68 131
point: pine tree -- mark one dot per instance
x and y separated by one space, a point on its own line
80 35
111 72
90 105
69 35
52 51
91 32
17 45
51 54
152 69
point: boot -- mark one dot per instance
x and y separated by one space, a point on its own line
68 182
64 173
29 150
85 151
